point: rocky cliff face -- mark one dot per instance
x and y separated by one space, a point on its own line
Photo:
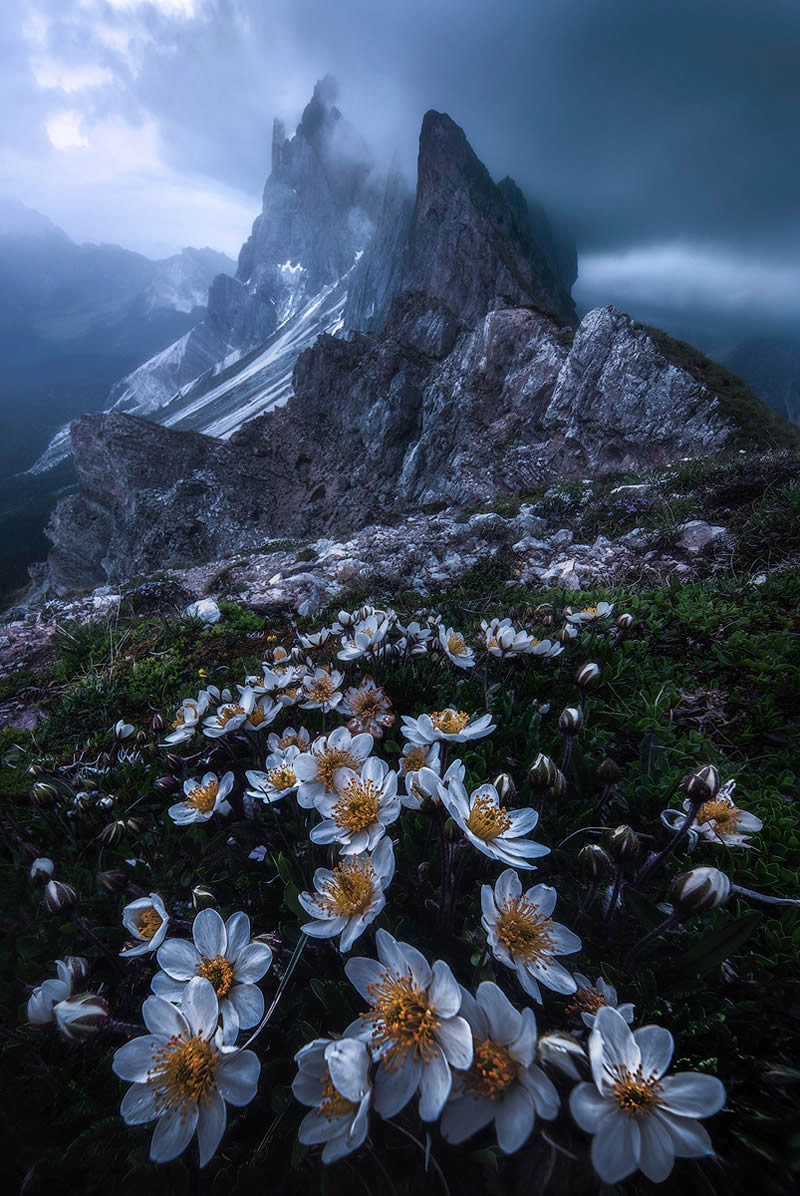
427 410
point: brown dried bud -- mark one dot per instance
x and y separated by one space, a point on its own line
594 862
165 784
558 786
542 773
608 771
113 833
624 844
625 622
44 795
173 762
702 784
157 723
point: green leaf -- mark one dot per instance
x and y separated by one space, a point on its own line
714 946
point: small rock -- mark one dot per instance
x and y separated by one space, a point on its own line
637 539
528 524
530 544
697 533
489 523
759 579
562 538
205 609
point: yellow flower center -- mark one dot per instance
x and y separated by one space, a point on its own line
328 762
456 645
287 741
281 778
722 812
416 759
147 923
203 798
635 1095
358 806
492 1071
449 722
257 716
524 931
218 971
368 703
590 610
350 890
184 1075
333 1104
402 1023
321 689
586 1000
180 720
226 713
486 819
279 653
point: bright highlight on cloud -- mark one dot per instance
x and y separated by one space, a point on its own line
64 131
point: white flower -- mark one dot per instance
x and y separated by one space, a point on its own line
502 638
412 1026
315 639
316 769
122 730
591 997
640 1120
350 897
187 718
451 725
181 1074
548 648
422 787
322 690
278 780
47 995
418 755
592 613
202 799
368 707
718 820
229 716
415 639
360 810
42 868
455 648
490 827
503 1084
523 936
264 712
561 1050
289 738
368 636
146 919
222 952
333 1077
81 1015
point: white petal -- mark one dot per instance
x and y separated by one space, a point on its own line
362 972
692 1094
324 832
164 986
522 821
611 1043
656 1046
394 1089
248 1001
588 1107
656 1152
326 928
488 907
237 1077
464 1116
356 927
474 1015
162 1018
505 1022
615 1147
523 1047
253 961
455 1038
690 1139
514 1119
179 959
172 1135
210 1127
135 1059
200 1006
543 1092
208 932
508 885
564 941
237 930
348 1063
307 1089
434 1087
416 962
314 1128
544 896
444 995
138 1104
552 975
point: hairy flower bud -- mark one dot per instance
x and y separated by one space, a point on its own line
542 772
59 897
106 802
700 890
42 869
625 622
113 833
702 784
608 771
506 789
203 897
594 862
562 1051
623 843
122 730
112 881
173 762
165 784
44 795
80 1016
588 676
558 785
157 723
570 720
77 966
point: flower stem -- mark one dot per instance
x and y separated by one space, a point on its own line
658 858
762 897
662 927
287 975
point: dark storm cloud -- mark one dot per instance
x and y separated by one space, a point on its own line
642 124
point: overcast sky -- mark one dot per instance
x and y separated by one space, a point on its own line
664 133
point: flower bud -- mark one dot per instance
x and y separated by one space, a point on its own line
173 762
700 890
141 738
59 897
203 897
122 730
133 826
82 801
157 723
112 881
44 795
608 771
506 789
113 833
623 843
106 802
594 862
565 634
625 622
588 676
80 1016
558 785
78 968
542 772
702 784
42 869
35 770
570 720
561 1051
165 784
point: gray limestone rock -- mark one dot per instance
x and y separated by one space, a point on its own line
696 534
